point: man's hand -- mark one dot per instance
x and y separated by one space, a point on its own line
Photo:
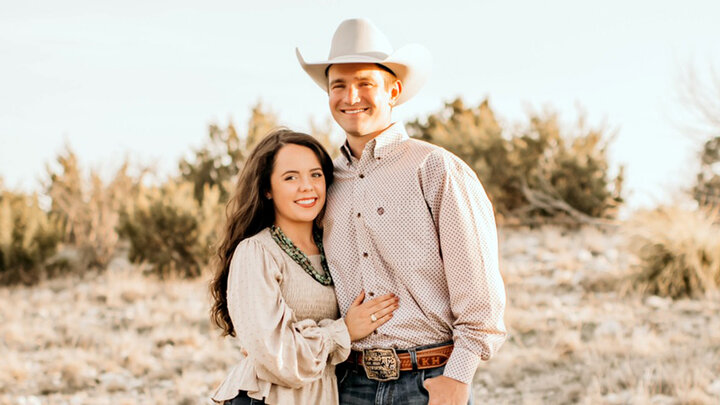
445 390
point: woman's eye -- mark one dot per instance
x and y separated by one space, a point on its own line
290 178
317 174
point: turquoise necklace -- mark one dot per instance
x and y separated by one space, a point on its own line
300 258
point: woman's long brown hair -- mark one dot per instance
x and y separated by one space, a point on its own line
249 211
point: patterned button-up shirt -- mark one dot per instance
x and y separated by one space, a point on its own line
411 218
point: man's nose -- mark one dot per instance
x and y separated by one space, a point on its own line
351 96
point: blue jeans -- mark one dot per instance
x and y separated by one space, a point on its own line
356 389
243 399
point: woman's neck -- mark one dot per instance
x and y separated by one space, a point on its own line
301 235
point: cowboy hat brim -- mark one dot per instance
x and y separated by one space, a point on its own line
411 64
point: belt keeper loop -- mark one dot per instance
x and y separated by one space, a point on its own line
413 358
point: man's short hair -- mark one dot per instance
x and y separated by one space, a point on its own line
388 74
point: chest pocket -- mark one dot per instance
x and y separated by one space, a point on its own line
401 229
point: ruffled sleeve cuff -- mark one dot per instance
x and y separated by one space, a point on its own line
338 332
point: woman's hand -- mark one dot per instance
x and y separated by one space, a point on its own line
360 315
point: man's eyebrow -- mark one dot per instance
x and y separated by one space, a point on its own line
362 78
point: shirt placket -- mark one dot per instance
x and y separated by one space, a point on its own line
364 244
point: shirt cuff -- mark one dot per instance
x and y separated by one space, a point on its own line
337 329
462 365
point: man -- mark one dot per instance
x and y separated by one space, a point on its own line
406 217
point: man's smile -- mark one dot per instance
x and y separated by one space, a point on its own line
354 110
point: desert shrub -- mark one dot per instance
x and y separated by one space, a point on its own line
224 152
678 251
707 185
28 239
169 229
88 209
531 170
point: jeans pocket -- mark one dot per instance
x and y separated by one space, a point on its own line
342 376
420 377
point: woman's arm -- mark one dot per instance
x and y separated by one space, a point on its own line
284 352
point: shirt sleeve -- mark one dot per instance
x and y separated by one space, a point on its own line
467 235
284 351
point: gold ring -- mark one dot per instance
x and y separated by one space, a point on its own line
373 318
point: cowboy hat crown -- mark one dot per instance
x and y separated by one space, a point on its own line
360 41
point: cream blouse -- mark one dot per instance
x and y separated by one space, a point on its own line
289 325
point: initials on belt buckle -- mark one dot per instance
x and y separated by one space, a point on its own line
381 364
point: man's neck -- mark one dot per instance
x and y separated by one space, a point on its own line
357 143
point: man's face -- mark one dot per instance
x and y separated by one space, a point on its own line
360 99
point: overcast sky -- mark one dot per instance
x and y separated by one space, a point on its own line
144 78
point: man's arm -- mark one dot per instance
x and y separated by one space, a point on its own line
467 233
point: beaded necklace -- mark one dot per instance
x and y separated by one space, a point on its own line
300 258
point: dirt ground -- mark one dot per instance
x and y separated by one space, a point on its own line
575 335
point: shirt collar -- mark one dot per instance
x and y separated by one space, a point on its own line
381 145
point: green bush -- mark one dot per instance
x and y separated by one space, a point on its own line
169 229
224 153
679 251
531 170
707 186
28 239
88 210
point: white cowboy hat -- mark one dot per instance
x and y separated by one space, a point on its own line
360 41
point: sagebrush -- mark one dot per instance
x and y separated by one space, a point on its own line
28 239
678 249
530 170
170 230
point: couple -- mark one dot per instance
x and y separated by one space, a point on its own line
404 248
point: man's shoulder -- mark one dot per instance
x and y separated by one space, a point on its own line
437 157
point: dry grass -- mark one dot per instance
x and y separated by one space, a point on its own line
679 251
122 338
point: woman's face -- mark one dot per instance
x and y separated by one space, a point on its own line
297 185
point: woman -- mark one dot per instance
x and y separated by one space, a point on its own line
272 288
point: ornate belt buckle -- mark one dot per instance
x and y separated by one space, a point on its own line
381 364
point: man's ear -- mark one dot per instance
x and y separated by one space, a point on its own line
395 92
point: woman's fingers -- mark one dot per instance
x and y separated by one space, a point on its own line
382 320
386 310
381 302
359 299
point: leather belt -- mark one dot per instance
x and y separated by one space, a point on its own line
425 358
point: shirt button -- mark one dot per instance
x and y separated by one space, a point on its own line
365 254
375 332
372 294
358 215
381 211
362 176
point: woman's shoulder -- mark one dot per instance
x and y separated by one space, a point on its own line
260 243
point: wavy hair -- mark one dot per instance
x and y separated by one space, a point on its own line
249 212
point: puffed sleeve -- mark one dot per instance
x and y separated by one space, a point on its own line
284 351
